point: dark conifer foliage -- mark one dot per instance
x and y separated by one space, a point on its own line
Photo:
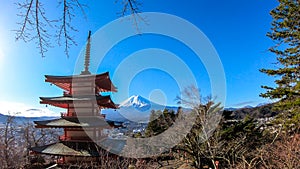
285 32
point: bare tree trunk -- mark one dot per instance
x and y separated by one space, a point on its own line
9 145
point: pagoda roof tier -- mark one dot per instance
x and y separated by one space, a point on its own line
102 81
73 122
65 101
85 149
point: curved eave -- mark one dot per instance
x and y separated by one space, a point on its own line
73 122
102 81
65 101
67 149
83 149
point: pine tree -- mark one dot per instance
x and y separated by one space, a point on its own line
285 32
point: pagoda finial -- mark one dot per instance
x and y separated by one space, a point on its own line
87 56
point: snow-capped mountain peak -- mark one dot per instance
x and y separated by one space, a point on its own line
136 108
136 101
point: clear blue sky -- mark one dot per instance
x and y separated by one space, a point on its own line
236 28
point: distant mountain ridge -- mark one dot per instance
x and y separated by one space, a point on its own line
29 112
260 111
246 106
138 109
20 120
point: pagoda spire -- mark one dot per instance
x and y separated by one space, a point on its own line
87 56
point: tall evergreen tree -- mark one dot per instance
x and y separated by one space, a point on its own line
285 32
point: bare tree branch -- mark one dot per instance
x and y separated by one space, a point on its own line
21 34
36 25
132 7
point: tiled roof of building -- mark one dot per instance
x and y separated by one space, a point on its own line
64 101
87 149
102 81
73 122
69 149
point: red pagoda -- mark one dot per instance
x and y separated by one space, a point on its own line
82 122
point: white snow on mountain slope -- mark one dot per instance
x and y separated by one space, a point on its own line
136 108
135 101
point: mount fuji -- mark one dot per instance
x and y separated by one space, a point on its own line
136 108
137 102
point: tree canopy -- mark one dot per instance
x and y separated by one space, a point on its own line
285 32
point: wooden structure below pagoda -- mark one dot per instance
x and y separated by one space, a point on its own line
82 122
